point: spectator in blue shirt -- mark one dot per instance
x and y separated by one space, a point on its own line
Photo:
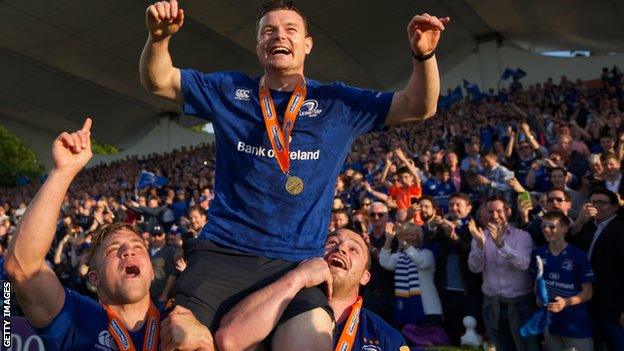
568 276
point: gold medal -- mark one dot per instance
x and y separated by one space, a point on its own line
294 185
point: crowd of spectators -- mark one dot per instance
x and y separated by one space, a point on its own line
454 211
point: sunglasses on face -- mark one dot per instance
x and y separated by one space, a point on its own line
558 199
549 225
378 214
600 202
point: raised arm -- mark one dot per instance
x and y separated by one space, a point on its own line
409 164
158 76
39 291
419 99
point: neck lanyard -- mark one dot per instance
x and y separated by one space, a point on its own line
345 343
122 338
280 136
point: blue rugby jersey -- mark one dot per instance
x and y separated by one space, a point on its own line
252 211
563 275
374 334
82 324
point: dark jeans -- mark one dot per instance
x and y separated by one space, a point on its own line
506 334
608 332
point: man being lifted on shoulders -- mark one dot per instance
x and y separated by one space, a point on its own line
281 140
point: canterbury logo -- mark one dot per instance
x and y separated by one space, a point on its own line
242 94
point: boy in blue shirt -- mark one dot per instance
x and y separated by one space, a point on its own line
568 277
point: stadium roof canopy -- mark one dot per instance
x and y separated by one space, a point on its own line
64 59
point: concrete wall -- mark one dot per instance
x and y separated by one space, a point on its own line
166 136
487 65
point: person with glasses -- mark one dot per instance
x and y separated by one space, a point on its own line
598 232
557 199
282 139
560 178
568 277
378 293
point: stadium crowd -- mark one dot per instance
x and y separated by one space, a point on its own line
454 212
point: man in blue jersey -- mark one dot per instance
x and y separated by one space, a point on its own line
281 140
346 263
119 266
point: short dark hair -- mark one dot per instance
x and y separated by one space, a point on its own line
605 157
430 199
498 198
613 199
558 169
462 196
557 216
351 229
196 208
403 170
276 5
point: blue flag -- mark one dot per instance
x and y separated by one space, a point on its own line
23 180
456 95
150 179
518 74
473 90
507 73
541 317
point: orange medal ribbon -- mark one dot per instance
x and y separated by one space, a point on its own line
122 338
280 137
345 343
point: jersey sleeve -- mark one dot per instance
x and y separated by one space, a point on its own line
367 109
201 92
57 334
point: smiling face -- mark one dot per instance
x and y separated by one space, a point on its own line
121 269
553 230
282 42
348 257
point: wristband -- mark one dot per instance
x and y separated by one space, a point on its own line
422 58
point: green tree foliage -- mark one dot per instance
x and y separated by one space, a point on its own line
16 159
198 128
99 148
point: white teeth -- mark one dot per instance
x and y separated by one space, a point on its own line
335 261
279 50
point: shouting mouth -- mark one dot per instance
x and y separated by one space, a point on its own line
132 271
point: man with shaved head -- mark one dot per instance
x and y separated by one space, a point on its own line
344 268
